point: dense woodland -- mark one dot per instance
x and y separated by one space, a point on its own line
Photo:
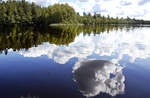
22 12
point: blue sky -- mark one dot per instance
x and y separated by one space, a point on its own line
122 8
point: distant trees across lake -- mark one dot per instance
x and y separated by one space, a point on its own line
22 12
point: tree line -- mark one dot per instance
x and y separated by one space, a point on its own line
22 12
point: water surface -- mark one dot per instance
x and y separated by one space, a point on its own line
75 62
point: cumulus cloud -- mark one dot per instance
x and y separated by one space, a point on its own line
119 43
114 8
83 0
125 3
44 2
60 54
95 76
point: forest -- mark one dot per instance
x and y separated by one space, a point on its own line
22 12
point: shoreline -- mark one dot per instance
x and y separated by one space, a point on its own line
66 24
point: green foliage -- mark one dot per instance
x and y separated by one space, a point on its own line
19 12
22 12
97 19
61 13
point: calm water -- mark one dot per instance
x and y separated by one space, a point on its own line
75 62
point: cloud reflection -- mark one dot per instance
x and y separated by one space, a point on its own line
95 76
135 44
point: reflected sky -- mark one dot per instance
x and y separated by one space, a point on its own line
96 76
108 64
134 43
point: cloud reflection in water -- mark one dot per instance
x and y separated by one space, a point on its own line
94 77
136 44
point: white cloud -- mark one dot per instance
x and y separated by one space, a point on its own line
142 2
133 43
94 77
60 54
44 2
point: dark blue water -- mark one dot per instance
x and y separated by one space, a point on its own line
105 65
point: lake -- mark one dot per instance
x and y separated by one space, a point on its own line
75 62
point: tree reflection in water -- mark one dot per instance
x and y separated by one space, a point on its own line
19 37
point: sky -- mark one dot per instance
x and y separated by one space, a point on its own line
122 8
